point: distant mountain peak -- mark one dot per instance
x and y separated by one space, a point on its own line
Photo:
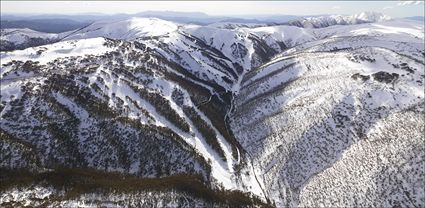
371 16
326 21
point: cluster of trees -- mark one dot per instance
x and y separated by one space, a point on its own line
76 182
162 106
263 52
30 42
385 77
207 132
81 94
356 58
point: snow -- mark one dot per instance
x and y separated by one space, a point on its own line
11 85
11 90
283 113
220 170
25 195
290 35
19 36
36 195
396 29
81 114
234 25
223 39
391 29
93 46
325 21
371 17
128 29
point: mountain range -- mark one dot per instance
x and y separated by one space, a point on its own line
315 112
56 23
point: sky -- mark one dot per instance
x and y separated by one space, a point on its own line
220 8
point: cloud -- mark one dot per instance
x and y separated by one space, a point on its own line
404 3
387 7
336 7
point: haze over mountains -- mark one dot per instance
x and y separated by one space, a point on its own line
55 23
142 111
61 23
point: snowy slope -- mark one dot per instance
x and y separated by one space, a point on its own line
132 85
234 25
45 54
128 29
318 110
12 39
19 36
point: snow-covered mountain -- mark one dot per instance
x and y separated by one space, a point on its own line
216 116
235 25
12 39
325 113
128 29
326 21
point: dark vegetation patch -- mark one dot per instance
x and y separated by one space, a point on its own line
30 42
178 96
207 132
163 107
31 66
28 150
250 74
168 133
215 110
253 82
82 95
216 113
407 68
385 77
122 143
358 76
357 58
262 50
77 182
239 50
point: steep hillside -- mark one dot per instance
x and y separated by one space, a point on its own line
339 121
116 106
